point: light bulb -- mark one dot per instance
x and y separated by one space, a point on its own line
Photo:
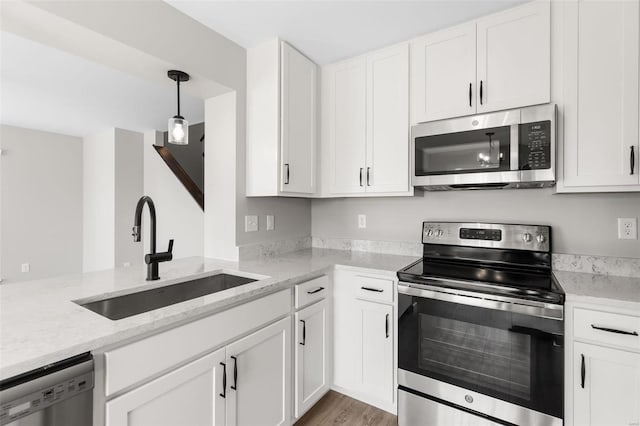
178 131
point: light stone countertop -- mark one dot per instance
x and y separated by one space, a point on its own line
40 323
606 290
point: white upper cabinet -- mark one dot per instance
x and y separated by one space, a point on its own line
298 109
346 125
498 62
514 58
282 91
443 74
601 45
387 168
366 124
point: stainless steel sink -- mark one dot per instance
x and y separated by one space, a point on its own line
119 307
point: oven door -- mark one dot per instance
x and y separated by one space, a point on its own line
455 342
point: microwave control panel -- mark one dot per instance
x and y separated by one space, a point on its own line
534 150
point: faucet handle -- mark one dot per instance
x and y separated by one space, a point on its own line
170 249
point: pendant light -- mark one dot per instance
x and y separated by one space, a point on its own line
178 126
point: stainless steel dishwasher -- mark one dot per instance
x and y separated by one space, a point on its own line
57 394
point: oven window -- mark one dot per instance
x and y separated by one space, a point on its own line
486 356
474 151
509 356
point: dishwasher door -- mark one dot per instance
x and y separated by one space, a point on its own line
58 394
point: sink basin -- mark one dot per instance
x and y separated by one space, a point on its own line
119 307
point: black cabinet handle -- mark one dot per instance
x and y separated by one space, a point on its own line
235 373
386 326
480 92
317 290
286 182
361 177
632 159
224 380
582 372
613 330
304 332
469 94
368 179
377 290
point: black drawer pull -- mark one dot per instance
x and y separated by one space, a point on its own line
613 330
286 182
235 373
582 372
317 290
632 159
376 290
480 92
469 94
224 380
386 326
304 332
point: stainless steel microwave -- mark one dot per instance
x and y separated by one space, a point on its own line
507 149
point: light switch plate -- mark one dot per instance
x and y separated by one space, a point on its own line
25 267
362 221
627 228
270 222
250 223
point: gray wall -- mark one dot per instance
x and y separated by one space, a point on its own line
41 203
582 223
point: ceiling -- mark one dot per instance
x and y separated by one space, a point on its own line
327 31
48 89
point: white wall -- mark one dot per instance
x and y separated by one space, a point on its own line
129 187
98 187
178 215
41 203
582 223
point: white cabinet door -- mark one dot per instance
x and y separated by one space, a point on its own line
298 109
375 350
601 93
312 352
259 377
346 128
514 58
345 346
387 168
189 395
610 393
443 74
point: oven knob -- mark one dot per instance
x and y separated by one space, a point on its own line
439 233
526 237
468 398
430 233
540 238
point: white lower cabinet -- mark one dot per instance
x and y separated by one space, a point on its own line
247 383
375 350
609 393
189 395
312 356
364 361
259 377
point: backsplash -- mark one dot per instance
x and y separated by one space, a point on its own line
273 248
602 265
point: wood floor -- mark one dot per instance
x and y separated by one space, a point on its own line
338 409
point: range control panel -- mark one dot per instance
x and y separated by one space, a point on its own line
493 235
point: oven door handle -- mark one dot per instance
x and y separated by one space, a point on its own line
484 301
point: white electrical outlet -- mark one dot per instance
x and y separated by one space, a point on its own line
270 222
362 221
250 223
627 228
25 267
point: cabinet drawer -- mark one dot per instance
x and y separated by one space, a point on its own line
311 291
607 328
374 289
133 363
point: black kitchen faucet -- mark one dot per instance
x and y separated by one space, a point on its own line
151 259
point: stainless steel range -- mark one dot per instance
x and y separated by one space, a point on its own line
481 328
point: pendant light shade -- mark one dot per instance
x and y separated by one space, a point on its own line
178 127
